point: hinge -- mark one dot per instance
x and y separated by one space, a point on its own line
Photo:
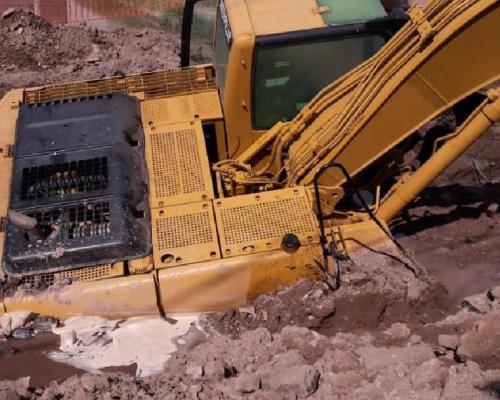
3 224
6 150
424 27
321 10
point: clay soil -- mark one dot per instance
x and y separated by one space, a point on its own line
387 333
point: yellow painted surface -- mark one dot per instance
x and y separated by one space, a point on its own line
276 16
8 118
111 298
222 284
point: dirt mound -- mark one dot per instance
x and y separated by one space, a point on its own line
299 363
31 42
376 290
35 52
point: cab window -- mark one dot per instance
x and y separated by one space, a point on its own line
287 76
221 51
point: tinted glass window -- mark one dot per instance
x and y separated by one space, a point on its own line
286 77
221 55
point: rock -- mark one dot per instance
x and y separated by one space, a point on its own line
415 290
7 13
359 278
481 342
288 371
18 389
479 304
44 324
194 390
324 308
449 342
494 293
246 383
398 331
415 339
492 210
92 59
247 310
214 370
21 333
14 26
195 371
382 357
302 379
142 33
11 321
338 360
428 373
318 294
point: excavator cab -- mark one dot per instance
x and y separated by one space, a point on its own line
271 59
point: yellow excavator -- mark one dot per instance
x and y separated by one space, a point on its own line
199 189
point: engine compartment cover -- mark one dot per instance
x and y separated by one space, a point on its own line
80 171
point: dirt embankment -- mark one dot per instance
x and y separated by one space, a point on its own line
454 358
34 52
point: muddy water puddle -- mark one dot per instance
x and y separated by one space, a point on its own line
21 358
459 281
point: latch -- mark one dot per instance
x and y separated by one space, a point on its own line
6 150
321 10
424 27
14 105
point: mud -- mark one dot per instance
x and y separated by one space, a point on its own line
298 362
454 227
29 358
34 52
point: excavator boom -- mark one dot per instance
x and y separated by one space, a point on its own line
364 115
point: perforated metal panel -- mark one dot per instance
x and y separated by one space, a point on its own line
178 164
184 234
354 236
152 84
84 274
254 223
204 106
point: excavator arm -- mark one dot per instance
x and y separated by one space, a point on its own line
447 51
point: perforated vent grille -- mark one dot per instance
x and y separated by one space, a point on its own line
184 234
259 222
206 103
265 220
174 159
183 231
65 178
154 84
155 110
89 220
178 164
84 274
204 106
79 221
